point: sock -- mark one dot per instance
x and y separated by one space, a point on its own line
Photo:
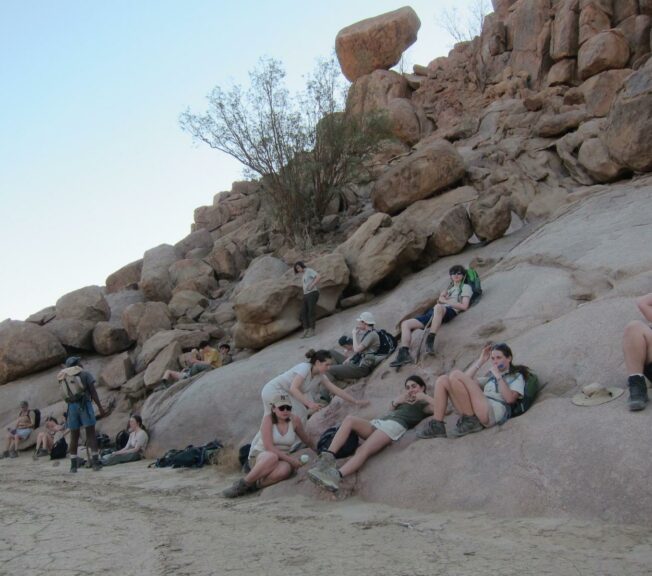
340 474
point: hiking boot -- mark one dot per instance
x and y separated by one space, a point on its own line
430 343
467 425
638 397
13 454
328 478
42 452
402 357
325 460
433 429
74 462
95 462
310 333
239 488
305 333
5 454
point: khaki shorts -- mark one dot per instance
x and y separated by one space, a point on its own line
390 427
497 413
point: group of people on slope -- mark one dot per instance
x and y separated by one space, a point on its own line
200 359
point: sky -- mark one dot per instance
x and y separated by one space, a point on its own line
94 169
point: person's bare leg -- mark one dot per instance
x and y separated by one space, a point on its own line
637 347
360 426
265 464
440 394
372 445
479 402
407 327
282 471
437 318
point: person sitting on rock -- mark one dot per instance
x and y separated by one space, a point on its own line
21 430
225 353
200 360
408 409
637 348
364 345
309 282
301 383
81 413
45 439
483 402
135 448
269 456
452 301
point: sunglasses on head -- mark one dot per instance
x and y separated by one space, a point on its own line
284 408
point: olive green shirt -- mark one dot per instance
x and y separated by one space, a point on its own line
408 415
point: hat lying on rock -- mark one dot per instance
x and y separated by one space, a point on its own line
594 394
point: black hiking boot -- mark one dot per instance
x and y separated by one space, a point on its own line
402 357
95 462
467 425
239 488
433 429
638 397
430 343
74 463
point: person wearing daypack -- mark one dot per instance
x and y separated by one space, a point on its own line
365 345
45 439
407 410
483 401
451 302
269 459
135 447
637 348
21 430
78 390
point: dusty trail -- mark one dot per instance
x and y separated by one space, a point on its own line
133 520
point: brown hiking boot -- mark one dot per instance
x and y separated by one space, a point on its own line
239 488
433 429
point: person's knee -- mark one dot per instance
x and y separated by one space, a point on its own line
456 375
442 381
439 310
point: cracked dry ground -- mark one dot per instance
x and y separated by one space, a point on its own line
133 520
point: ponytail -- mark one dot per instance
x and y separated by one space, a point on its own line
318 356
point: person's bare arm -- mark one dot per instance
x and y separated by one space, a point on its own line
644 304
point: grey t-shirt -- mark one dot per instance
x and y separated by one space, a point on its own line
308 277
370 344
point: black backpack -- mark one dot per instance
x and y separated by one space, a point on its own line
349 448
59 449
243 454
37 418
387 343
103 440
121 439
190 457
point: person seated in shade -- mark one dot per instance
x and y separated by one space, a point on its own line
451 302
45 439
270 460
200 360
637 348
483 401
21 430
407 410
135 448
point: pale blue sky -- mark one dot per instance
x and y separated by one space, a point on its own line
94 169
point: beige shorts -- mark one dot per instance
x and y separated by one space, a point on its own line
496 412
390 427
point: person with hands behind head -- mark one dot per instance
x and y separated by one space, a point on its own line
301 383
407 410
270 460
483 402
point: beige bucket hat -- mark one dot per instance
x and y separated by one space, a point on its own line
595 393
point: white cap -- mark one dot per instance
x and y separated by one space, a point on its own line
367 318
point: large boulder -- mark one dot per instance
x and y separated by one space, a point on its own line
84 304
167 359
42 316
119 301
637 32
595 159
605 51
491 216
116 373
600 90
187 303
564 38
125 278
186 339
380 248
196 242
73 333
110 338
593 20
227 259
155 281
376 43
431 169
144 319
629 131
26 348
373 92
550 125
408 122
262 268
191 274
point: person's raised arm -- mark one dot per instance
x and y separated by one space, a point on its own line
484 356
296 389
644 304
335 391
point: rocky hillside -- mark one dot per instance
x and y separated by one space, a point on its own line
524 150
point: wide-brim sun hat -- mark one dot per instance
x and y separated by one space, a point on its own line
595 394
367 318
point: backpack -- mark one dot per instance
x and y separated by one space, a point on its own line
243 454
387 343
532 388
71 385
37 418
59 449
349 448
190 457
103 440
121 439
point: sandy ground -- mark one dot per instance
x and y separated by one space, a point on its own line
129 519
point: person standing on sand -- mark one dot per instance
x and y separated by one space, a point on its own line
637 348
309 281
269 456
20 431
81 413
408 409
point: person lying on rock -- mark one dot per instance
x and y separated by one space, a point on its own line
225 354
408 409
483 402
21 430
45 439
135 448
301 383
309 281
451 302
365 343
270 460
81 413
637 348
200 360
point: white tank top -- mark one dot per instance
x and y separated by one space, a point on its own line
282 441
